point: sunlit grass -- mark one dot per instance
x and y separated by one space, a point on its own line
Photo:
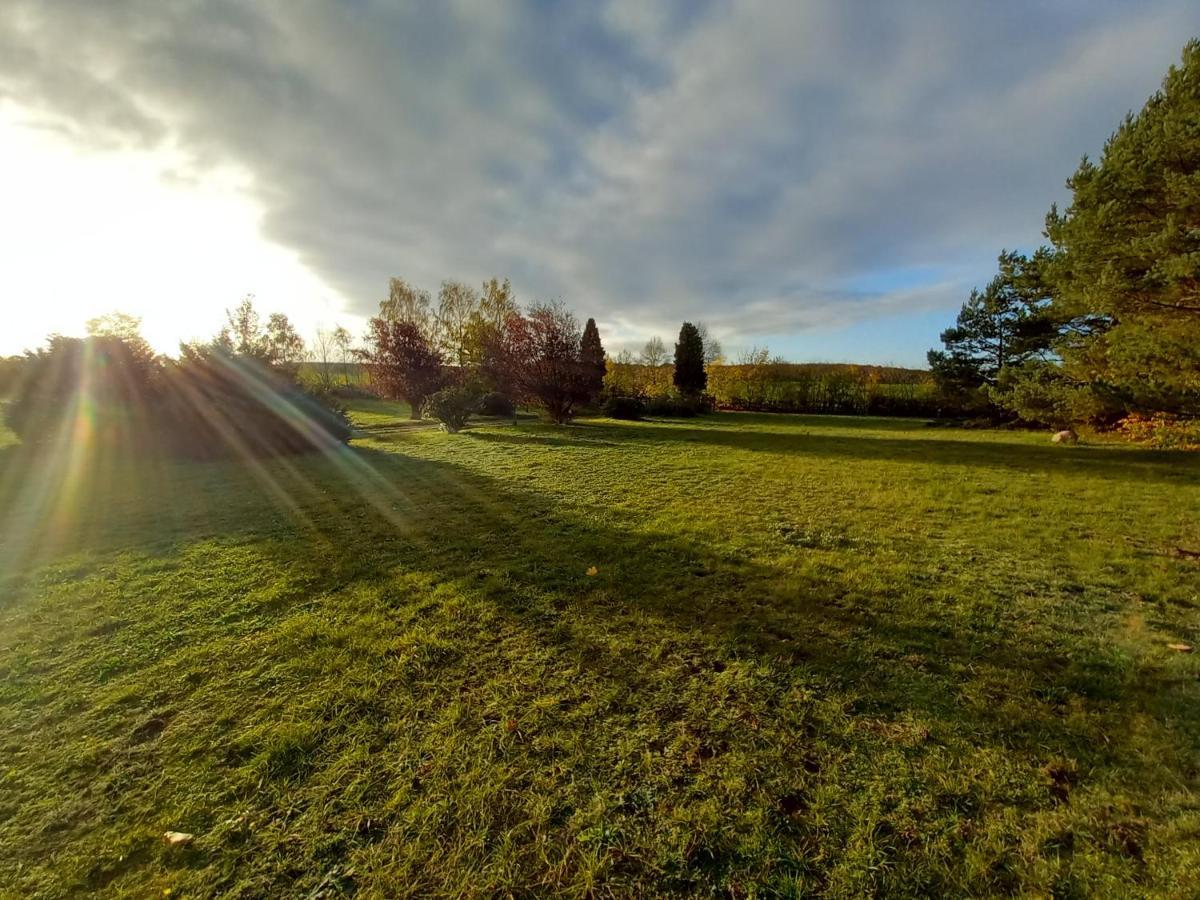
824 655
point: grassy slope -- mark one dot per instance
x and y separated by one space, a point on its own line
835 655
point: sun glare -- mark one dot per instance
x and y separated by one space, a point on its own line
88 232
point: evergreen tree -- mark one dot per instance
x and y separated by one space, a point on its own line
591 357
1125 272
1003 325
690 377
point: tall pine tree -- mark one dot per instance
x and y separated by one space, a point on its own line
690 377
1126 264
591 357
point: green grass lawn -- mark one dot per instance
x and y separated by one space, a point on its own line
368 414
816 656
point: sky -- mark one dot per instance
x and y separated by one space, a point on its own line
826 179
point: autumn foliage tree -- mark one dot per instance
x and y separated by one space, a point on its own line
538 357
403 363
457 304
408 303
541 351
275 344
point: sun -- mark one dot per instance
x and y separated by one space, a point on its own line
144 231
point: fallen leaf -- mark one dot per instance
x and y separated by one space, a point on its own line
177 838
1182 648
592 570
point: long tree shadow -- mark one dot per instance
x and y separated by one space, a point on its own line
363 516
361 512
1116 463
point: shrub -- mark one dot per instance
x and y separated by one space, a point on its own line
496 404
674 406
1164 431
110 390
214 405
619 406
452 406
11 369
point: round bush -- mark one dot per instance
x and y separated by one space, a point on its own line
452 406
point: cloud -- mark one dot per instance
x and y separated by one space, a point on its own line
745 163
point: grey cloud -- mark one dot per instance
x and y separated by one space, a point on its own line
646 163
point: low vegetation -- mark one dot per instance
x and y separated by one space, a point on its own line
738 655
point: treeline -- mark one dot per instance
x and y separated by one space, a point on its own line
1102 325
479 351
760 383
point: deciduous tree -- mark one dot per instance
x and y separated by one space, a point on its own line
276 344
654 352
542 350
714 354
344 344
321 352
404 365
408 303
458 303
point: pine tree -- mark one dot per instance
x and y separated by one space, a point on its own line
1001 326
690 377
591 357
1124 272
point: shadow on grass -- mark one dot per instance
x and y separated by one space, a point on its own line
362 512
363 516
1096 461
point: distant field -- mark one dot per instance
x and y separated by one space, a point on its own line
746 655
338 373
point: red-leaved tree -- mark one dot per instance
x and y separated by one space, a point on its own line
402 362
540 354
